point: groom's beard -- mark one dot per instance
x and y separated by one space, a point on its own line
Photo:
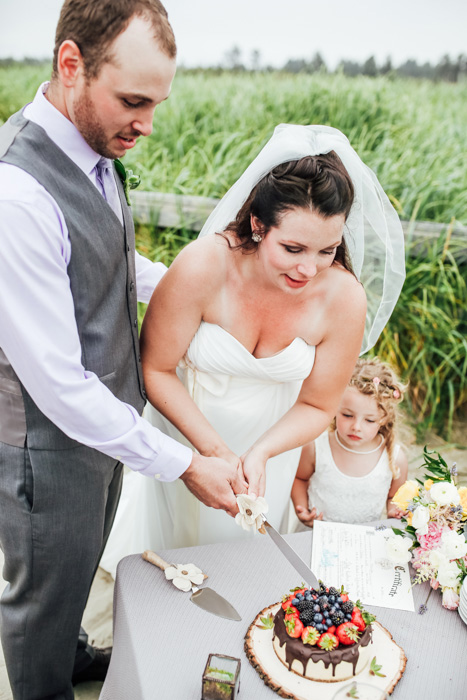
88 124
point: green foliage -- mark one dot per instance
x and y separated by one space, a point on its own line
413 134
426 337
375 668
436 467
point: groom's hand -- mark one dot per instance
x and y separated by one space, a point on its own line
215 482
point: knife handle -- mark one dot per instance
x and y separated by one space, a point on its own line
155 559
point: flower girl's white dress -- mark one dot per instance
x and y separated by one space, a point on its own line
241 396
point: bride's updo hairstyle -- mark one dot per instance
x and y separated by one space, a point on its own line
320 183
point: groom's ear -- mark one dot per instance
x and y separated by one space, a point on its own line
70 64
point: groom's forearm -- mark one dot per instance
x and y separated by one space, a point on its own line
166 392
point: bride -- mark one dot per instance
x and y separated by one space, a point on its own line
251 337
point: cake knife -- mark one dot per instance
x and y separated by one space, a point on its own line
204 598
292 556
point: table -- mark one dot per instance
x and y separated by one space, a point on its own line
162 640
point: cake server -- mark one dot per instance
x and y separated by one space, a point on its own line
205 598
292 556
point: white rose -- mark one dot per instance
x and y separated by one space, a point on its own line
420 520
444 493
448 575
453 544
436 559
397 549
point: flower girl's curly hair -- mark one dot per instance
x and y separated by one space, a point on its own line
375 378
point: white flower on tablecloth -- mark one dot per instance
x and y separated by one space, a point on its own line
448 575
183 576
397 548
453 544
420 519
444 493
251 508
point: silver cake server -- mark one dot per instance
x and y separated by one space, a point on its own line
292 556
204 598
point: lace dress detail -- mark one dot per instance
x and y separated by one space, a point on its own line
348 499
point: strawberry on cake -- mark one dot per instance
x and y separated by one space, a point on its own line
322 635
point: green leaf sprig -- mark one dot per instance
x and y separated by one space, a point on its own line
268 622
375 668
130 181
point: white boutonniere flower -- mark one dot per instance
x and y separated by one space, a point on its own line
251 509
184 576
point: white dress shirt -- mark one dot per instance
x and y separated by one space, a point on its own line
38 332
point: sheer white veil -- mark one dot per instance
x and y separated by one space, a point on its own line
373 232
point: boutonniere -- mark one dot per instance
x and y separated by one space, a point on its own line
130 181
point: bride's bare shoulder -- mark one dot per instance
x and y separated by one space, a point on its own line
203 261
347 291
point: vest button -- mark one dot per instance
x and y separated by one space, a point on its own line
128 248
139 358
135 323
132 286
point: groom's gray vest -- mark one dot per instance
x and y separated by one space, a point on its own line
102 281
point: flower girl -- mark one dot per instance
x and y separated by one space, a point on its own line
350 473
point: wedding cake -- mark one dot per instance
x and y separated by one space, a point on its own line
320 634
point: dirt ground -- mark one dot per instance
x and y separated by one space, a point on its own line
98 614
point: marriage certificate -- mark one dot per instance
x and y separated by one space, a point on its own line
354 556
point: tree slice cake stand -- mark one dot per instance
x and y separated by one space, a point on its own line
287 684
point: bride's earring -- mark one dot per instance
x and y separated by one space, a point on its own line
257 237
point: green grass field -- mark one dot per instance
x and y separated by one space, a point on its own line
413 134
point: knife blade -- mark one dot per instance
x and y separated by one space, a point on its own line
291 555
205 598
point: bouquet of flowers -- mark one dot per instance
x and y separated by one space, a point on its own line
434 540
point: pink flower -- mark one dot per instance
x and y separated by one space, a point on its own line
434 583
418 555
450 599
432 539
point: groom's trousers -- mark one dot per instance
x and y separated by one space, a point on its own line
56 511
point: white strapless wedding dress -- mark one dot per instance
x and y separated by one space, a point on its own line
242 396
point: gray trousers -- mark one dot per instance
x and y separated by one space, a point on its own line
56 511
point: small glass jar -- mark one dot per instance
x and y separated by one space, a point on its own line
221 678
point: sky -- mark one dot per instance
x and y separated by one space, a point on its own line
206 30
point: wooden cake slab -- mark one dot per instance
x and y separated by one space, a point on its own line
261 654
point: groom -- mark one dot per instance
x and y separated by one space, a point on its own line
71 388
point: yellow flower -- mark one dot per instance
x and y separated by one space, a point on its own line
428 484
463 496
405 494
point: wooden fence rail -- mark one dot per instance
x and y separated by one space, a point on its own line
187 211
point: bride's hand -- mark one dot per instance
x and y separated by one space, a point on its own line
230 457
254 469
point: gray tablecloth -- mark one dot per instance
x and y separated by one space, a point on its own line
162 640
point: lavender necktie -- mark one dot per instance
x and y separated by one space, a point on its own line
108 186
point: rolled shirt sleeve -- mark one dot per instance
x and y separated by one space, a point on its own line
38 334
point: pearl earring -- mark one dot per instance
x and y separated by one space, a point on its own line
257 237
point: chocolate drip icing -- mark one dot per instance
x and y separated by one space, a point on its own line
295 649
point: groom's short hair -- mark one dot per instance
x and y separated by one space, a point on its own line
94 24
